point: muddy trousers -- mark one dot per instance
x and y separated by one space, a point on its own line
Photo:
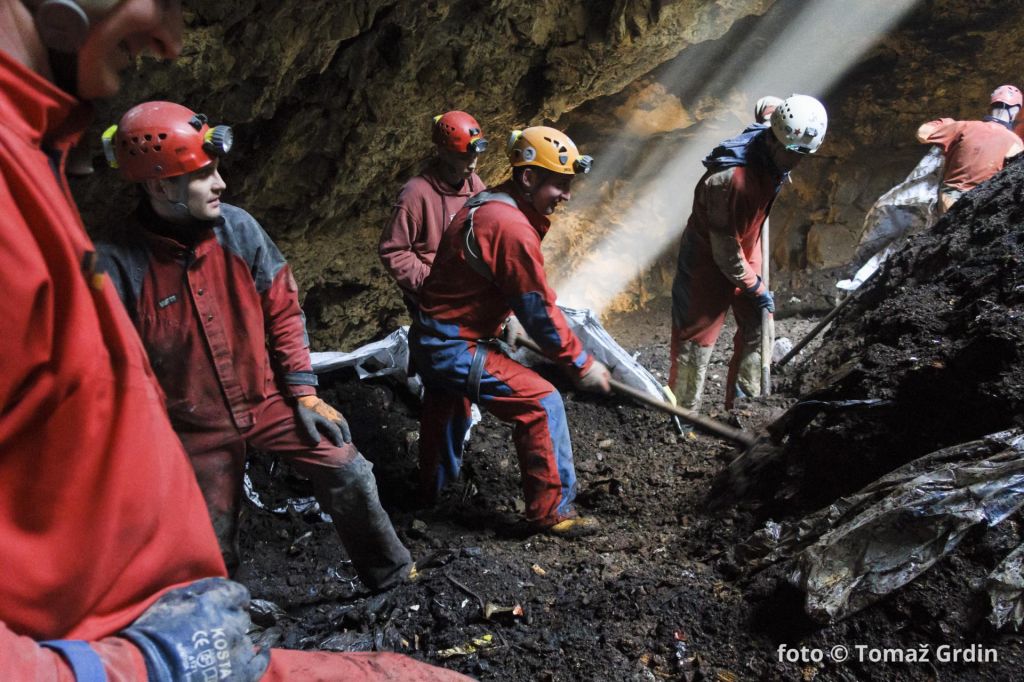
342 482
288 665
698 316
457 372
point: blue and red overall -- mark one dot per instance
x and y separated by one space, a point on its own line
465 300
221 322
720 261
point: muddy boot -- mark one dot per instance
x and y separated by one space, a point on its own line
570 525
349 495
744 378
692 362
576 527
748 376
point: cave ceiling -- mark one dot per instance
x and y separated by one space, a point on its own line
331 105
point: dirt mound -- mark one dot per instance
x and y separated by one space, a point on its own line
929 355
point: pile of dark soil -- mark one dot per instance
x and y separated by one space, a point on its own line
934 344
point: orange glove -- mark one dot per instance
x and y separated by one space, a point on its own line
313 404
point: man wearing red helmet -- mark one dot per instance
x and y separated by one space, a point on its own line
975 150
428 202
217 309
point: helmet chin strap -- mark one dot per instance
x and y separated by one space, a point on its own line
180 210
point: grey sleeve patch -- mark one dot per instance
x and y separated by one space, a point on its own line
242 235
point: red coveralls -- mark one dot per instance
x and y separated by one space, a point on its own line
460 304
719 260
99 511
206 314
409 241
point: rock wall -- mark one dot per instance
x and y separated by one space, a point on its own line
331 104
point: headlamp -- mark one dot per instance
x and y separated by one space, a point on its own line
583 164
477 146
218 140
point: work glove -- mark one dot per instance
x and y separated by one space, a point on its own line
512 331
764 300
316 416
197 633
597 378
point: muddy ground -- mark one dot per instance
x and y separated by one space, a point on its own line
659 592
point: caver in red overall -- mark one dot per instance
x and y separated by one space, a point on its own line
461 304
206 313
718 265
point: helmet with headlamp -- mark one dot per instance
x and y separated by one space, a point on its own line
158 140
458 132
799 123
547 148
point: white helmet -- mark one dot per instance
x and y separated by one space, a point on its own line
799 123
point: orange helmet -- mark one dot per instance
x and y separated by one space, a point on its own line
459 132
1008 95
157 140
546 148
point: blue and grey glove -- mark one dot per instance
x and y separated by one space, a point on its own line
198 633
764 300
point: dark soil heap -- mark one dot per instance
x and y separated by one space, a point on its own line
935 342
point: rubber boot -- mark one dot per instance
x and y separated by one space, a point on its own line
744 372
692 362
349 495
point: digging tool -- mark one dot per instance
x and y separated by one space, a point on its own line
767 319
821 325
703 423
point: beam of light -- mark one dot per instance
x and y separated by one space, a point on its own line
796 48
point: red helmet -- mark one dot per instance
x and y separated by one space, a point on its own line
1008 95
459 132
157 140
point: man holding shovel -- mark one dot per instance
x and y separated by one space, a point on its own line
720 251
488 265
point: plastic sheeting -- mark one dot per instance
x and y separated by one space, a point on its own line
386 357
597 341
1006 591
869 544
909 207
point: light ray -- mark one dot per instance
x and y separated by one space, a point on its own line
804 47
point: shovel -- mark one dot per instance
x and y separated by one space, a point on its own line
767 319
825 321
703 423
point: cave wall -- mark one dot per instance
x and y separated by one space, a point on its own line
331 105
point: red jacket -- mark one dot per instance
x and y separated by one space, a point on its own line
723 233
207 313
458 300
424 208
99 509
